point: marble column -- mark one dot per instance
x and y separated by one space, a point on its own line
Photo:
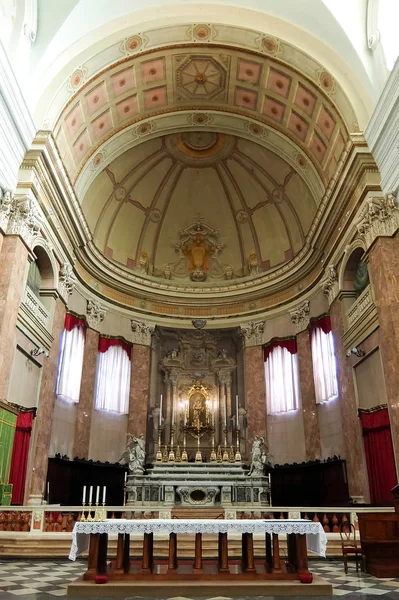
45 410
353 439
255 392
13 265
384 272
139 389
84 407
308 396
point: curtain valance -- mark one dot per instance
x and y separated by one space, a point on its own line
104 343
323 322
72 321
288 344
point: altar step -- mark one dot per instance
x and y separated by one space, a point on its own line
57 545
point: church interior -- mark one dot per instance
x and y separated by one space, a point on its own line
199 297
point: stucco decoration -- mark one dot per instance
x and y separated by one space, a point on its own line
95 313
300 316
67 281
253 333
142 332
329 284
378 218
19 215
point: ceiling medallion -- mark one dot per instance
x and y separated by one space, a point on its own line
200 148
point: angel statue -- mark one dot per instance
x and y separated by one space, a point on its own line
256 468
134 454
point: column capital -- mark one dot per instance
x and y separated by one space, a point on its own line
252 333
300 316
95 313
66 281
329 283
225 378
378 218
142 332
19 215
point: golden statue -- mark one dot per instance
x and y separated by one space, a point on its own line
197 253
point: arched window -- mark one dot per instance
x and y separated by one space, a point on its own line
113 375
281 374
323 359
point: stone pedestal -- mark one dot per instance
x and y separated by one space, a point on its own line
384 272
255 392
45 411
139 387
308 397
353 439
85 405
13 266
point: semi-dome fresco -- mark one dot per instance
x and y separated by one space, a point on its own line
199 205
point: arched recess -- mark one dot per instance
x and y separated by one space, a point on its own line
42 280
354 276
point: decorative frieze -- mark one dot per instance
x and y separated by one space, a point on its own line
378 218
300 316
142 332
66 282
329 284
253 333
95 314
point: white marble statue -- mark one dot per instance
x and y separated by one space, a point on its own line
260 458
134 454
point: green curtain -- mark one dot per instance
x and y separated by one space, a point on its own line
7 430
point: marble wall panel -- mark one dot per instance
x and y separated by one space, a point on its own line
139 389
353 439
286 437
62 431
13 265
108 435
84 408
308 398
384 273
45 411
255 392
331 432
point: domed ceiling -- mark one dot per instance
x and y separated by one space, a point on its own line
199 206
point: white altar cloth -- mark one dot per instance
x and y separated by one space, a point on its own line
315 535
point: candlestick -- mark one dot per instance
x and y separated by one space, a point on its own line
91 494
160 412
104 493
97 494
158 456
238 457
84 495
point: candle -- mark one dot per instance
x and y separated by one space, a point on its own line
160 412
48 491
225 411
125 477
185 412
90 494
238 425
213 412
104 492
97 494
84 495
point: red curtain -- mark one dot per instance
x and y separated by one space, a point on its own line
289 344
323 322
72 321
105 342
379 455
19 459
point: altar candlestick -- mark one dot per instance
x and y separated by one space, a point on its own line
104 493
97 494
160 412
237 412
84 495
90 494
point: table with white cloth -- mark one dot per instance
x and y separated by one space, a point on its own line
302 535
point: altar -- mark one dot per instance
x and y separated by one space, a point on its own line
201 576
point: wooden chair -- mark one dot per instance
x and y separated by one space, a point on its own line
350 545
